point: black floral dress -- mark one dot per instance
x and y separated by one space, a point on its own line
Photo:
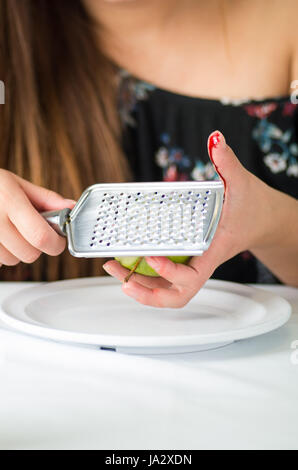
165 135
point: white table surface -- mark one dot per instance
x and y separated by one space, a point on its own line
242 396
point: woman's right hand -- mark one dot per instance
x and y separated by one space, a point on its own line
24 233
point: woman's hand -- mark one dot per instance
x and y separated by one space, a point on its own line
24 234
249 221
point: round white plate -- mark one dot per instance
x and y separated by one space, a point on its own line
95 312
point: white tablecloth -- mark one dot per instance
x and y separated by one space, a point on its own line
54 396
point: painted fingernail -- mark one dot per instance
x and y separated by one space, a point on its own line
216 140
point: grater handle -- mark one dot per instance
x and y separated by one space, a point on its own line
57 220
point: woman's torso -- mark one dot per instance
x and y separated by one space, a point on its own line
223 67
165 137
206 51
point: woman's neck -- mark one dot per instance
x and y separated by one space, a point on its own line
128 18
125 27
197 48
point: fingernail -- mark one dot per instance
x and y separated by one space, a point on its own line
154 261
107 268
216 140
70 201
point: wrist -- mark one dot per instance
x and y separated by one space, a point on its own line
272 218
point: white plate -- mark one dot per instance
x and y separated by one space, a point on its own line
95 312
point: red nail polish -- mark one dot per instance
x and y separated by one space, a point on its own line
213 142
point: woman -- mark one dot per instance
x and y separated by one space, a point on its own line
109 91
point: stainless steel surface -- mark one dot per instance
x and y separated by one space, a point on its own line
135 219
57 220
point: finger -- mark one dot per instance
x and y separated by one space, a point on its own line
206 264
224 159
115 269
7 258
43 198
13 241
156 297
32 225
178 274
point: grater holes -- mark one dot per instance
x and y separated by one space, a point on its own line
121 224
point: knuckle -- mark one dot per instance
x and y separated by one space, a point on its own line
163 269
51 196
48 241
7 258
59 248
159 303
41 239
4 173
5 188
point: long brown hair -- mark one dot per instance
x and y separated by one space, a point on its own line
59 127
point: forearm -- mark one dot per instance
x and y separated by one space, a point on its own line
279 251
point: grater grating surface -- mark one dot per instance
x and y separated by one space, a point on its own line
130 219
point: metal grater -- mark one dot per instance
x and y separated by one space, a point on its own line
128 219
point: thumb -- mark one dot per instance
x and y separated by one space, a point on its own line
44 199
224 159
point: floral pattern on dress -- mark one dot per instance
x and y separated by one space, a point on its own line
131 90
279 147
177 166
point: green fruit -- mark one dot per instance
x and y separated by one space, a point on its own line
143 267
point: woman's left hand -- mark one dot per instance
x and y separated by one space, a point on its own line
246 222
